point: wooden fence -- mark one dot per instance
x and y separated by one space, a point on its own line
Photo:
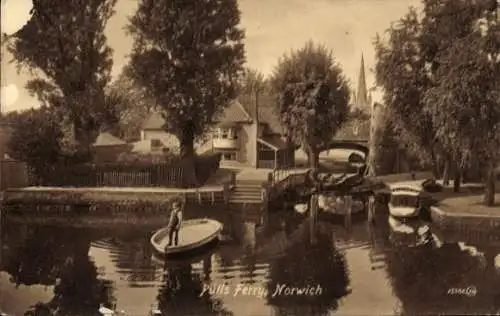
13 174
181 174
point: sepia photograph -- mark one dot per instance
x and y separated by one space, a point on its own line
250 157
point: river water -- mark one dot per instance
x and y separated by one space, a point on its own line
279 264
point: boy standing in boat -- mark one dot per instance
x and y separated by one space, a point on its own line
174 224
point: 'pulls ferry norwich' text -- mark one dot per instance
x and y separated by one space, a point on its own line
242 289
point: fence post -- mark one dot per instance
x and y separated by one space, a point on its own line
371 208
2 175
313 213
270 184
348 210
265 196
226 193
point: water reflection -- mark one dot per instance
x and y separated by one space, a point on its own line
443 271
37 255
358 269
182 293
309 279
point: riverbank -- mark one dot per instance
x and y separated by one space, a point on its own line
466 209
216 190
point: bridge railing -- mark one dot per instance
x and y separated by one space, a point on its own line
281 179
278 175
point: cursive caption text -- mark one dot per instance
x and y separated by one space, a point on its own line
242 289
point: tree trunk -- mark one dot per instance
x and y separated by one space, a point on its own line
186 144
457 177
435 164
489 188
446 173
312 157
84 138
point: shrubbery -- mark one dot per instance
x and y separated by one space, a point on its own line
148 158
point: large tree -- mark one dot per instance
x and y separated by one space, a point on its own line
437 70
400 71
465 104
64 47
312 96
189 55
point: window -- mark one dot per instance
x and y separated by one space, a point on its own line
404 200
156 143
229 156
226 133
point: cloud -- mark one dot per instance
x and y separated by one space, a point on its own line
9 95
15 14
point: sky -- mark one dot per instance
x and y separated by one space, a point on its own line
273 27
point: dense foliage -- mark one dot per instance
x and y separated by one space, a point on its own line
312 96
35 138
133 106
189 56
64 47
440 72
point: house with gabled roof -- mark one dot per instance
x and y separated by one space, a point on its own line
251 135
107 148
243 137
154 139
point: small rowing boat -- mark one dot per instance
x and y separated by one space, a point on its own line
194 233
408 200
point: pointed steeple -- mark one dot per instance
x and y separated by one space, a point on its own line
362 101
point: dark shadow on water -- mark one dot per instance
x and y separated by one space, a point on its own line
36 255
305 265
182 292
446 279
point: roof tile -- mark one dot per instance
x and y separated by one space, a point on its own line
106 139
154 122
235 112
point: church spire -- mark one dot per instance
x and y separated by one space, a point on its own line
362 101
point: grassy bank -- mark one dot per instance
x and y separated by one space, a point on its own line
465 210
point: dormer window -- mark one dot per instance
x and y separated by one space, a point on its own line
227 133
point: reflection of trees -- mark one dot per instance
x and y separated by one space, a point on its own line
134 255
35 260
421 278
59 256
306 264
180 294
